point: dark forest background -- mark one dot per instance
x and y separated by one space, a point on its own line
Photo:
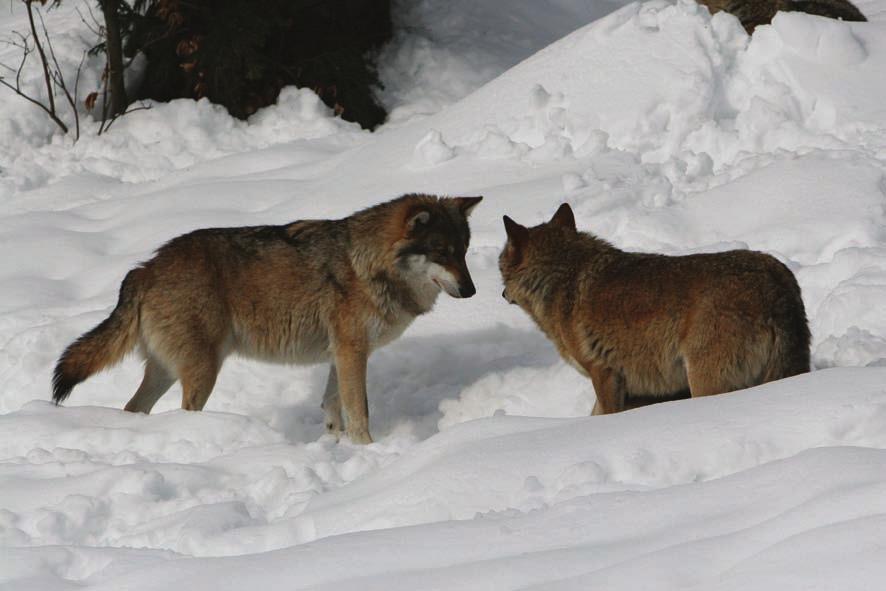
240 53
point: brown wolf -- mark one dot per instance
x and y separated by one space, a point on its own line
752 13
305 292
650 325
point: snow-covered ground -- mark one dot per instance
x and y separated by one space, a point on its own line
666 130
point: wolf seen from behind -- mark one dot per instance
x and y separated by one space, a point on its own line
649 325
306 292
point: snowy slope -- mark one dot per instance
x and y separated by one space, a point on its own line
666 129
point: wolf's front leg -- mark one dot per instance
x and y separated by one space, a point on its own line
351 355
332 404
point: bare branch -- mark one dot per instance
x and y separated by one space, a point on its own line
43 60
94 26
53 76
21 66
141 107
21 44
57 73
53 73
76 92
51 114
105 76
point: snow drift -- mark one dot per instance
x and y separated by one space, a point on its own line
666 130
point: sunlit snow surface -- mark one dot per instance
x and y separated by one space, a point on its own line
666 130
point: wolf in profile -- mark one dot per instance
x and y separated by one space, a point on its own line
305 292
648 325
752 13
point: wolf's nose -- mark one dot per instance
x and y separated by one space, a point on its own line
467 291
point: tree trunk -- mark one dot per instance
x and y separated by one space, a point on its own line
114 50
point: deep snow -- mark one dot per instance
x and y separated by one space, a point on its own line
666 129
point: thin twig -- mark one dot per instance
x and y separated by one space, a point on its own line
142 107
76 92
26 51
101 128
52 115
49 90
60 79
94 27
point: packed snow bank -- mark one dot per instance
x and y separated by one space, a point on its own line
102 477
531 463
148 144
442 52
781 526
667 81
581 503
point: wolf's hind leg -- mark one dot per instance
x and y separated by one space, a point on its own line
706 377
198 379
609 386
155 383
332 403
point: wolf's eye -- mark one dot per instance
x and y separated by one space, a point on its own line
451 250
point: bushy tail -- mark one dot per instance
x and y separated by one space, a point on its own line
104 345
792 339
790 354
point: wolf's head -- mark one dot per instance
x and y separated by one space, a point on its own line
435 242
532 255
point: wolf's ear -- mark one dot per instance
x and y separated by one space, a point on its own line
467 204
419 218
518 235
564 218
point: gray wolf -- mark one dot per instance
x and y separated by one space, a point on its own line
306 292
649 325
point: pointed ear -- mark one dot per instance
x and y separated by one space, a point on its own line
466 204
564 218
518 235
419 218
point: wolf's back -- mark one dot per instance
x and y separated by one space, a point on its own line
104 345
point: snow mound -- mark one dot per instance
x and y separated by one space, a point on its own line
666 129
668 81
538 462
689 492
148 144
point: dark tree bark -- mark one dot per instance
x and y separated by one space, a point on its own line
241 53
114 48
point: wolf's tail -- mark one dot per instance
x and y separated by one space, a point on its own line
791 336
104 345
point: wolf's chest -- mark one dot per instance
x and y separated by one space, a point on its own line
381 331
